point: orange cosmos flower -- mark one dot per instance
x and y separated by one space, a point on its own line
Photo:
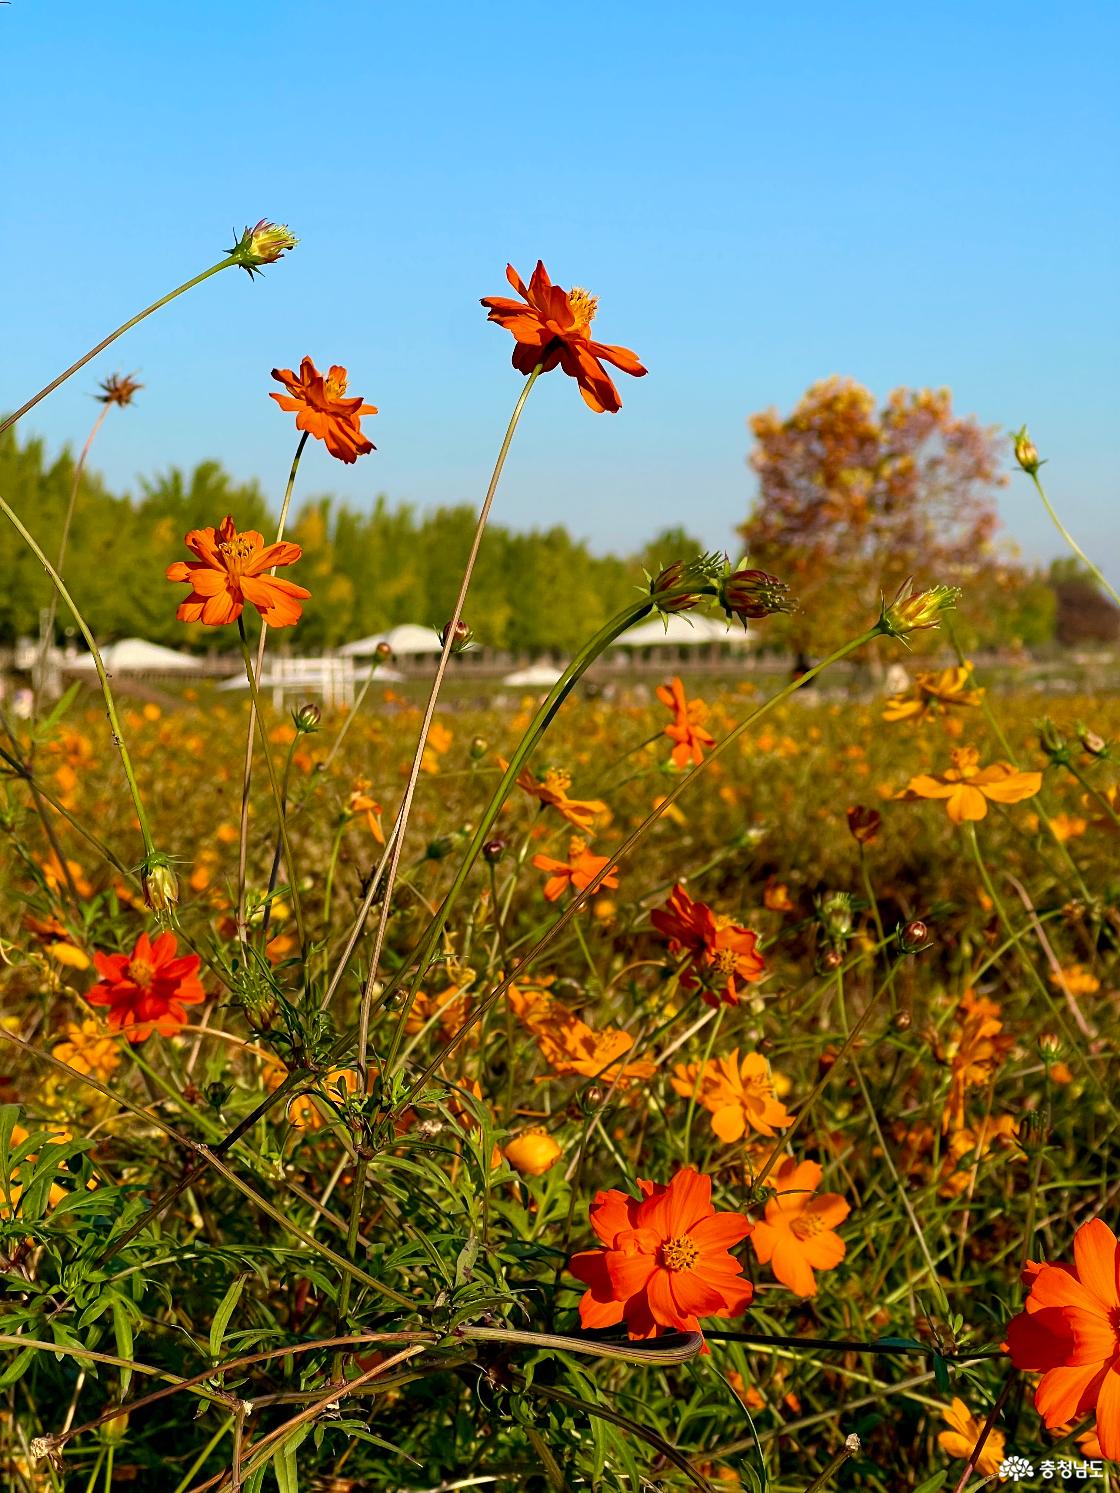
231 569
1070 1332
963 1435
322 409
975 1050
687 726
720 951
360 802
147 990
798 1235
552 791
551 326
740 1096
665 1262
932 693
577 872
570 1047
967 787
56 940
87 1048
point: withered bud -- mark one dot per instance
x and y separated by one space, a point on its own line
832 960
306 719
1052 742
754 593
912 611
262 244
1026 452
159 883
118 388
1034 1131
863 823
461 636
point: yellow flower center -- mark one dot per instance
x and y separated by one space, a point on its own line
141 972
679 1254
725 961
583 306
557 780
336 387
806 1225
236 551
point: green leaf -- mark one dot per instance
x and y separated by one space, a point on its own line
122 1331
225 1311
932 1484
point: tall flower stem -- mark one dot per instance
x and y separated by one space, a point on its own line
243 842
52 611
278 797
110 704
396 840
223 264
1070 540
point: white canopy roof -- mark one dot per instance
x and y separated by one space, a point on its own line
542 674
135 656
409 638
684 630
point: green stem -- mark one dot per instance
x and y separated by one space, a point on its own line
336 845
243 842
110 703
1069 539
713 1033
1093 791
223 264
276 794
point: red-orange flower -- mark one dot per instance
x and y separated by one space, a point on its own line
577 872
687 726
722 952
665 1262
551 326
231 569
1070 1332
322 409
147 990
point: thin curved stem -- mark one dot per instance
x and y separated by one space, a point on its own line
1071 541
223 264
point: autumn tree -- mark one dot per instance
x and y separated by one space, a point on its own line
853 498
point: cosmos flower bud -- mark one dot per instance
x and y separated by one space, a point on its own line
913 936
1050 1047
836 915
902 1021
1052 742
478 748
1092 742
307 718
1026 452
383 653
532 1153
913 611
863 823
493 851
461 636
262 244
1034 1131
119 389
754 593
159 883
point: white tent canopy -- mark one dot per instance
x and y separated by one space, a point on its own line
545 675
135 656
682 631
407 640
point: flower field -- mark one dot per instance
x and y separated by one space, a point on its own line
712 1086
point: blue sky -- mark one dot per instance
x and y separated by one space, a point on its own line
760 195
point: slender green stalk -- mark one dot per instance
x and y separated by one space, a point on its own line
276 794
107 693
223 264
1095 792
847 1451
700 1072
243 842
1069 539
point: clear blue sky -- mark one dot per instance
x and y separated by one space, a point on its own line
760 195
